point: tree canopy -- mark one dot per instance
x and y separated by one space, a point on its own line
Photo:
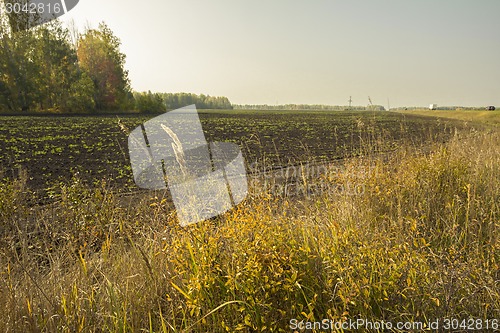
41 69
100 58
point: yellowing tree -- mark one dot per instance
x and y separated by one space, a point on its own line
100 57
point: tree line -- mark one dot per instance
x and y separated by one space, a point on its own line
50 68
47 68
307 107
149 102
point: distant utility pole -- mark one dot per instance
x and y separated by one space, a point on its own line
370 101
388 104
350 102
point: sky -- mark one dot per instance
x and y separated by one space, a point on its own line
398 52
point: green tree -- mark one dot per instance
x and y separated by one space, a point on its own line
39 70
18 69
149 102
178 100
59 75
82 94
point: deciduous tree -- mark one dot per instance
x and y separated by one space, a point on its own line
100 57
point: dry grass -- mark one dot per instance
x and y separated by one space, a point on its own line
421 241
476 116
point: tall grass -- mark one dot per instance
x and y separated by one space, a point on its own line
477 116
421 241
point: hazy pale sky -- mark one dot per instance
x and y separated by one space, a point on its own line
314 52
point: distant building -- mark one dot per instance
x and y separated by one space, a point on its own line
490 108
433 107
